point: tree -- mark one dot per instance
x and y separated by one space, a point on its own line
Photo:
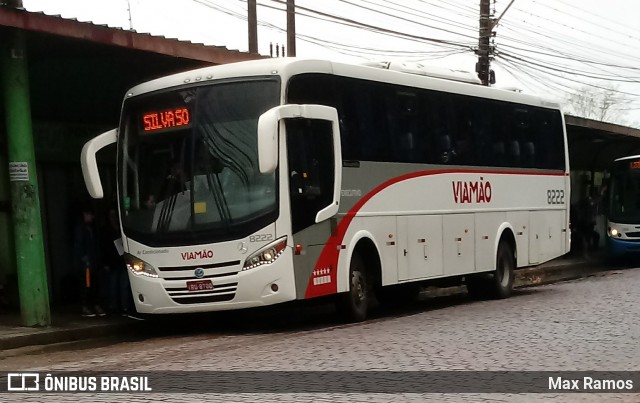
604 103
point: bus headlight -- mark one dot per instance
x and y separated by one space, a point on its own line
266 255
139 267
613 232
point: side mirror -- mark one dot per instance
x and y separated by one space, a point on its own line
89 164
268 136
268 124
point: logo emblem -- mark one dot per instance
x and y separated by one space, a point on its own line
242 248
199 272
24 381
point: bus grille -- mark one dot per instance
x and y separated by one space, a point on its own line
220 293
632 234
214 270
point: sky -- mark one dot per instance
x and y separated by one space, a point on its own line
565 50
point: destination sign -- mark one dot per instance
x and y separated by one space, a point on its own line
167 119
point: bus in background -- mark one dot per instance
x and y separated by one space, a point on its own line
268 181
623 210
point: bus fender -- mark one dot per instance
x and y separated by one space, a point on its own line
501 230
345 259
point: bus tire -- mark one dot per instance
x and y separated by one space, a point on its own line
499 283
504 275
354 304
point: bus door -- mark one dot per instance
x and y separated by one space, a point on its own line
311 171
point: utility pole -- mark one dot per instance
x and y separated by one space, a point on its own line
291 27
252 19
483 66
485 49
129 12
23 180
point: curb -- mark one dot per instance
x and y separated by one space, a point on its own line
533 276
55 335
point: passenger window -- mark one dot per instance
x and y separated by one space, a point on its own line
404 126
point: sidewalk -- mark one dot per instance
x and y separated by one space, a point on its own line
69 326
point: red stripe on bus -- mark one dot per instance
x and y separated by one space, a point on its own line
325 271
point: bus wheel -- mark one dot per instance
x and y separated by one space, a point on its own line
354 304
504 275
499 283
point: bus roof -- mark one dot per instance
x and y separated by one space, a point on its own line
629 157
287 67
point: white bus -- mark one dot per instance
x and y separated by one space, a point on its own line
267 181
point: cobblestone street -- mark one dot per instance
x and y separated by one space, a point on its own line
583 325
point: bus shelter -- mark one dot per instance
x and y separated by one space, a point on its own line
76 75
593 146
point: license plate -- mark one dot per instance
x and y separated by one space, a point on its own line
200 285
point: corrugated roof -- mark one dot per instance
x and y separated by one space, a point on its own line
117 36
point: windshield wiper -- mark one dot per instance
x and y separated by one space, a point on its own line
168 206
218 196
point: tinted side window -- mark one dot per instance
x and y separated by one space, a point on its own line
311 169
311 89
316 88
548 131
386 122
437 121
514 132
406 128
363 112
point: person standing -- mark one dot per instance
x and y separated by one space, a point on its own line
87 263
119 288
587 217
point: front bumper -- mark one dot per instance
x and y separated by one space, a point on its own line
242 289
620 247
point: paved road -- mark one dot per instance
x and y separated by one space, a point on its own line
590 324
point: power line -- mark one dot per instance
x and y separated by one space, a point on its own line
599 19
341 47
557 37
518 60
377 28
404 19
542 69
569 70
565 56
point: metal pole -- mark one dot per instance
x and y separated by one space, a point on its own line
129 12
252 19
291 27
25 200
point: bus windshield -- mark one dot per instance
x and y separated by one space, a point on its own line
188 164
624 203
